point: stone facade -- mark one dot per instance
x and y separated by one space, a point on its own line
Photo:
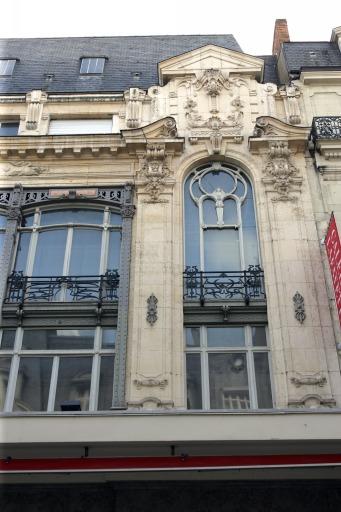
211 105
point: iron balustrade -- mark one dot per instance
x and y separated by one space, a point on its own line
22 289
328 127
233 285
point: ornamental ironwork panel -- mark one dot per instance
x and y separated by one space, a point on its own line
22 289
5 197
235 285
326 127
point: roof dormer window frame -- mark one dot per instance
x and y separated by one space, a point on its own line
92 65
7 66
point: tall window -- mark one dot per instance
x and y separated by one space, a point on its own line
44 369
227 367
3 222
77 242
220 220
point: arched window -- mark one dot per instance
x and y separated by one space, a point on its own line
220 223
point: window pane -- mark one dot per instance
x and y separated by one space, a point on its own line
263 383
28 220
209 212
6 67
193 371
9 129
249 229
33 384
7 339
221 250
218 179
193 337
115 219
114 250
3 221
5 366
228 381
191 228
106 378
76 216
225 337
22 252
49 258
230 212
108 338
86 252
74 379
2 239
58 339
258 336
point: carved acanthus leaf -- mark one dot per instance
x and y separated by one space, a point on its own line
314 379
299 307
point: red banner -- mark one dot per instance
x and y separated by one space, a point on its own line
333 247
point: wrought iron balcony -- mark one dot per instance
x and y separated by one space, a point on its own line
235 285
22 289
326 128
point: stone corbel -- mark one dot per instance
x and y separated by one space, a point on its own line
35 103
155 172
281 176
134 99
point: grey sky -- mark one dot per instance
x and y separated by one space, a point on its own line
251 22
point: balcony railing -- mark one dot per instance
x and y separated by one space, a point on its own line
326 128
235 285
22 289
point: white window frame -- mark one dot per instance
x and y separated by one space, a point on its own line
96 352
2 231
204 350
7 68
105 228
88 62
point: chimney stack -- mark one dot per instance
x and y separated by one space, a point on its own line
281 35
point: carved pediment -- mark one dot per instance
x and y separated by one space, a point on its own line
162 129
211 57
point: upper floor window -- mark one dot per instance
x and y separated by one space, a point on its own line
7 67
220 222
80 126
227 367
66 251
3 222
92 65
9 128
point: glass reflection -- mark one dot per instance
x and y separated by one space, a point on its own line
74 378
193 372
49 257
106 379
33 384
58 339
5 366
228 381
86 252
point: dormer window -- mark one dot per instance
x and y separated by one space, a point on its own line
92 65
7 67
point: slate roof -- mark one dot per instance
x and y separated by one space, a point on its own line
127 55
311 54
270 69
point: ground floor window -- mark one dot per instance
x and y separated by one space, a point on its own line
227 367
44 369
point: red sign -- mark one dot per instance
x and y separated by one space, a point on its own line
333 247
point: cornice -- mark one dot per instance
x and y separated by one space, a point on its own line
163 131
323 76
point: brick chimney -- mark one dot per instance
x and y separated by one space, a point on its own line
281 35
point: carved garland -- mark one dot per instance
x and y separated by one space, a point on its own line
154 172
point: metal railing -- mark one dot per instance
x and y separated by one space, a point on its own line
225 285
328 127
22 289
